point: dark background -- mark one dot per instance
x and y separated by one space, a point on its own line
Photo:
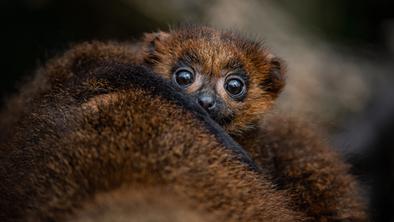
34 30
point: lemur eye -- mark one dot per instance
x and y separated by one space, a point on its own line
184 77
235 86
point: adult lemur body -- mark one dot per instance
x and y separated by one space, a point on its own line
92 126
94 138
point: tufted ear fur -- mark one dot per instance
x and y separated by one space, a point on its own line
277 75
151 43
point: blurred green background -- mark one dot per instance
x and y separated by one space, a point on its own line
339 54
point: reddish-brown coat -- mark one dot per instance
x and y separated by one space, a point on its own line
62 152
316 175
305 170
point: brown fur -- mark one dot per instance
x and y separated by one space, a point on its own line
293 157
142 205
213 54
85 132
301 162
297 158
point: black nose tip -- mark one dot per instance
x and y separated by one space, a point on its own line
207 102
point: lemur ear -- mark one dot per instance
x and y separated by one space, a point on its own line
152 40
277 75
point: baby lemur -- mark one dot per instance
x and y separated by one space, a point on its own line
91 124
233 78
236 80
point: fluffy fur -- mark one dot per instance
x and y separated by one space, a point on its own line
212 54
84 136
297 158
93 132
301 162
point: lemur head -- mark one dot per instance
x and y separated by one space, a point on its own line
235 79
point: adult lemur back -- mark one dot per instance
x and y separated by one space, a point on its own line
95 137
94 126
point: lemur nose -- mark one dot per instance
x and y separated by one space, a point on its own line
206 101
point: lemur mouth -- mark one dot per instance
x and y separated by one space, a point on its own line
217 110
220 118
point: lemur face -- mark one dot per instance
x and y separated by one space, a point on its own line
235 80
